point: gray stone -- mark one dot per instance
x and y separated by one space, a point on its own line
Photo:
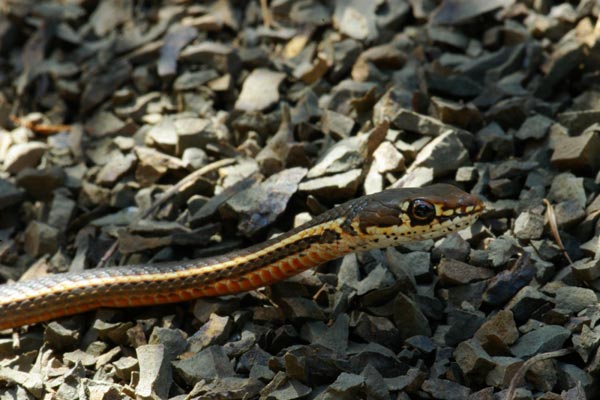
586 343
544 339
220 56
291 389
333 336
504 285
234 387
336 124
444 154
24 155
195 157
570 375
346 386
174 341
501 250
504 188
408 266
40 239
498 332
568 213
155 373
463 324
387 158
138 107
79 356
193 133
153 165
103 82
299 308
512 169
194 80
33 382
60 337
453 247
375 386
414 122
410 382
422 343
578 153
451 13
374 329
41 183
345 52
125 366
564 59
443 389
409 319
451 112
418 177
112 171
260 205
470 293
334 187
105 123
527 301
529 226
115 331
575 298
215 331
543 375
586 269
163 135
503 371
509 113
356 19
473 361
216 202
209 364
61 211
373 182
567 186
534 127
9 194
260 90
466 175
454 272
347 154
577 122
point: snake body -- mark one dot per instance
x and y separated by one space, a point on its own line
379 220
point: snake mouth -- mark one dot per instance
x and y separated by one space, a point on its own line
442 226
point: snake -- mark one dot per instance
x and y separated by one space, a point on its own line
387 218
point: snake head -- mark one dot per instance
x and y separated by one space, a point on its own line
406 214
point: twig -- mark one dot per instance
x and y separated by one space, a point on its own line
165 197
554 229
42 129
266 13
518 377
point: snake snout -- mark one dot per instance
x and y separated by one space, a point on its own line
471 204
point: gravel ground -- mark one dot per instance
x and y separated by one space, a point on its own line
139 132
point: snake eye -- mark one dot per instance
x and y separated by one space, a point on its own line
422 211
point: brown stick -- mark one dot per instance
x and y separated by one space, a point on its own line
518 377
